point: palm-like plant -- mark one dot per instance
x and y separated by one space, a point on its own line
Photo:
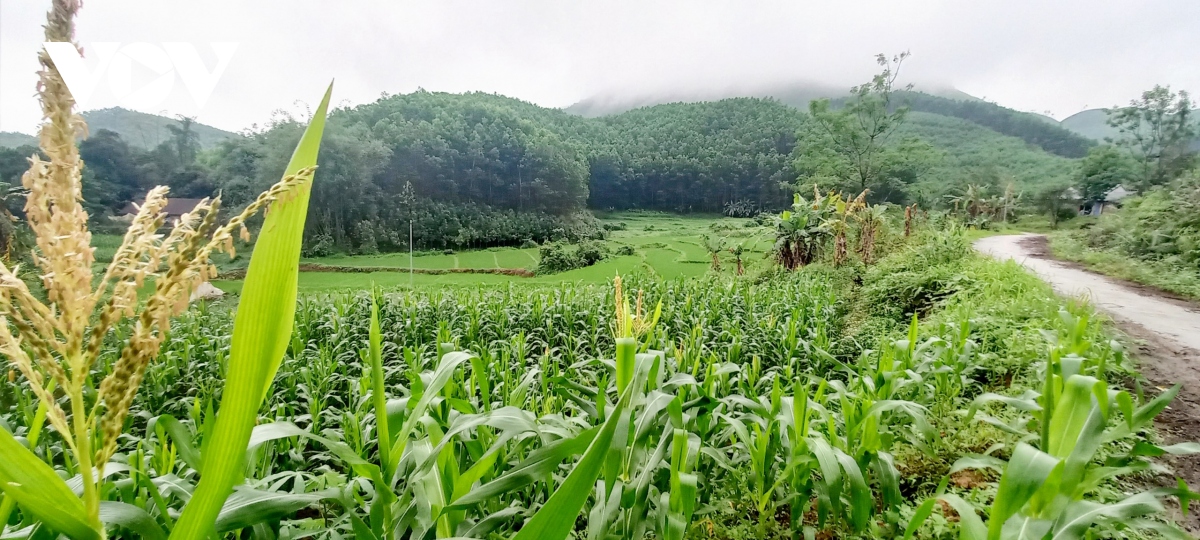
870 219
737 250
715 245
801 232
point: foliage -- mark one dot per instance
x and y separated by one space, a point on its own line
61 343
694 156
853 148
559 257
1029 127
1157 130
1105 168
780 412
1160 228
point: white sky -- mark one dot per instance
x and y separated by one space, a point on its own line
1056 56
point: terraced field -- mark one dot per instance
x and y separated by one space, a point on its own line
666 245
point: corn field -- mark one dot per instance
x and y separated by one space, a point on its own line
516 413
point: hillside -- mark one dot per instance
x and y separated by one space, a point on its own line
139 129
148 130
1092 123
974 154
1032 128
12 139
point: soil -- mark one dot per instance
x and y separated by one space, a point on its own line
1165 332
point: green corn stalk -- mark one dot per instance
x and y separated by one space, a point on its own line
262 330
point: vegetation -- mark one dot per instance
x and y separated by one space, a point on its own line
61 344
1157 131
480 170
853 148
1025 126
796 398
846 395
1153 239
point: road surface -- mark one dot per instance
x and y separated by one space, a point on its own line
1171 320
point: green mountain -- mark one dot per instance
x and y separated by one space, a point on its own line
1034 129
139 129
12 139
1092 123
148 130
975 154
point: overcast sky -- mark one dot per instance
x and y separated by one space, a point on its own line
1056 56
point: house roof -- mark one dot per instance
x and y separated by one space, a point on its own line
175 207
1117 193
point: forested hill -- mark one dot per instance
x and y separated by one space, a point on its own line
1035 129
139 129
472 170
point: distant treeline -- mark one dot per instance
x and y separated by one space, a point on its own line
481 169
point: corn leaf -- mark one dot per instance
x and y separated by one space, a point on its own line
1024 475
555 519
262 329
132 518
248 507
40 492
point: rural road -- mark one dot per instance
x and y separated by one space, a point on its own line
1170 319
1168 331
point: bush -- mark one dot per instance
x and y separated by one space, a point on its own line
742 208
625 251
441 225
321 245
916 279
591 252
529 243
620 226
559 257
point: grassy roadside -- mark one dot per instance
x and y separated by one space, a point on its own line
1171 278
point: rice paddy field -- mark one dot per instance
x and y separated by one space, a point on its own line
665 245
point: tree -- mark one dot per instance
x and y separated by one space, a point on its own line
1157 131
184 142
111 175
853 148
1104 168
1056 200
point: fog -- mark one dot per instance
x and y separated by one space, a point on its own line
1052 57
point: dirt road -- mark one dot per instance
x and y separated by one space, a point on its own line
1167 328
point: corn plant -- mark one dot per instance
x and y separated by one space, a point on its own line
59 343
1044 491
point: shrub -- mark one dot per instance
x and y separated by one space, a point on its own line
591 252
915 279
741 208
529 243
625 250
559 257
321 245
555 257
